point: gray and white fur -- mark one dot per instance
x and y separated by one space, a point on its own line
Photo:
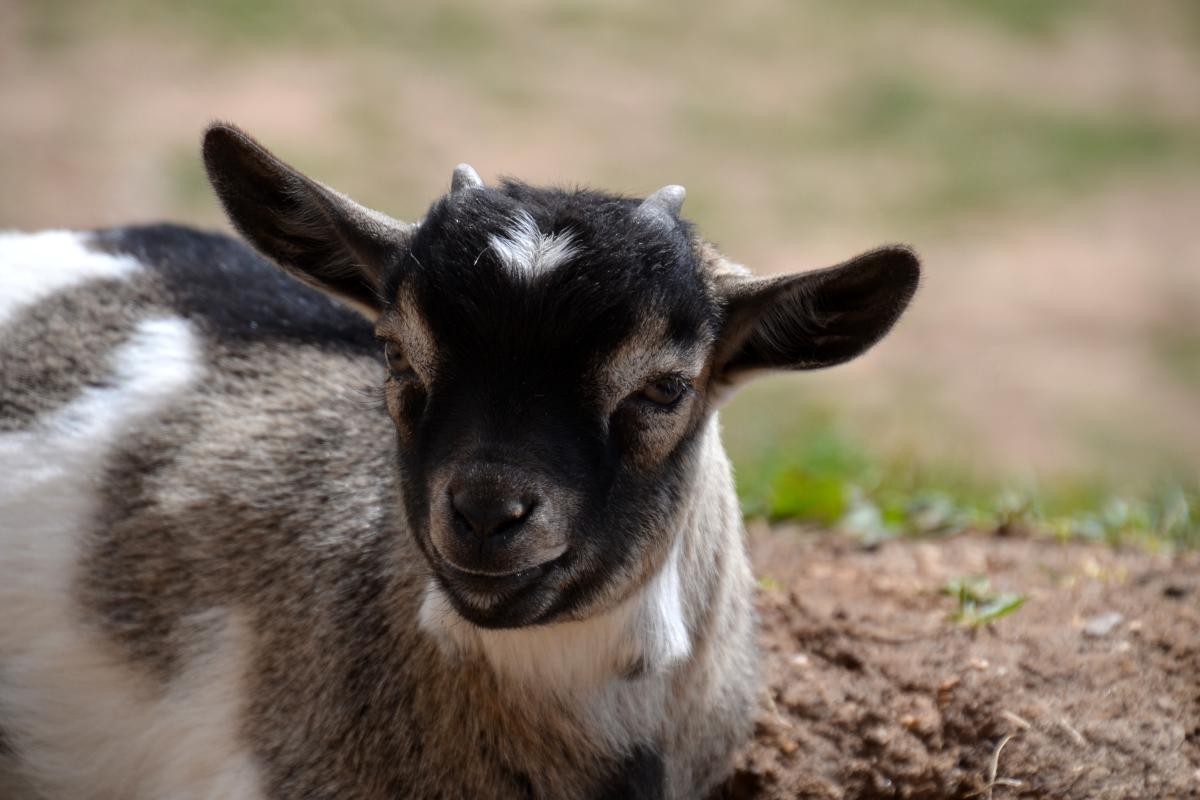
436 510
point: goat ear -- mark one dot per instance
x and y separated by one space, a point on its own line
316 234
814 319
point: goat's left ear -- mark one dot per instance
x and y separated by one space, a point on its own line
316 234
814 319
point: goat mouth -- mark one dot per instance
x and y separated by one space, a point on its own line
485 573
476 576
509 600
491 583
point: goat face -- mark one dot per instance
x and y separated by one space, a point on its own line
552 360
547 356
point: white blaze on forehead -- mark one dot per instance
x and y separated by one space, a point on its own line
34 266
526 251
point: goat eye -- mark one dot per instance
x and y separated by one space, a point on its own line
665 391
397 362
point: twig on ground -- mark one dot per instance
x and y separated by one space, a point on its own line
994 769
1076 735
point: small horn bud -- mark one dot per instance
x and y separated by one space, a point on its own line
465 177
663 206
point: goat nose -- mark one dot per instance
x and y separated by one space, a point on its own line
485 512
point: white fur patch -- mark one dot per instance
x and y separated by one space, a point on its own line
648 629
36 265
526 251
85 723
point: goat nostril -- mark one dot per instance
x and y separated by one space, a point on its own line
484 513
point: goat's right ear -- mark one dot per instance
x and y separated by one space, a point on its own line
813 319
316 234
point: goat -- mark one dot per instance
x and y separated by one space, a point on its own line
447 515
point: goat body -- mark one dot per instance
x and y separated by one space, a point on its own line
250 550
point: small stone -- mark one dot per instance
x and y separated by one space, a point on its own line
980 664
800 660
878 736
1102 624
945 690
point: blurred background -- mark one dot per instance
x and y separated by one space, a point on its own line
1042 156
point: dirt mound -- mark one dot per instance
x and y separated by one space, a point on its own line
1090 690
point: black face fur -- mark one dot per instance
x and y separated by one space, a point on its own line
554 358
515 397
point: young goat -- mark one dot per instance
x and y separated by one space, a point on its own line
225 573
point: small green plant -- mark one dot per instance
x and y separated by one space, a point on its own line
977 604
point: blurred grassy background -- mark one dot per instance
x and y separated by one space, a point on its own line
1043 157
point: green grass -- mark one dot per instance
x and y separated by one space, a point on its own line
934 153
959 153
818 473
1176 347
450 31
1038 19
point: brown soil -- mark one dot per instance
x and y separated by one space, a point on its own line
874 693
